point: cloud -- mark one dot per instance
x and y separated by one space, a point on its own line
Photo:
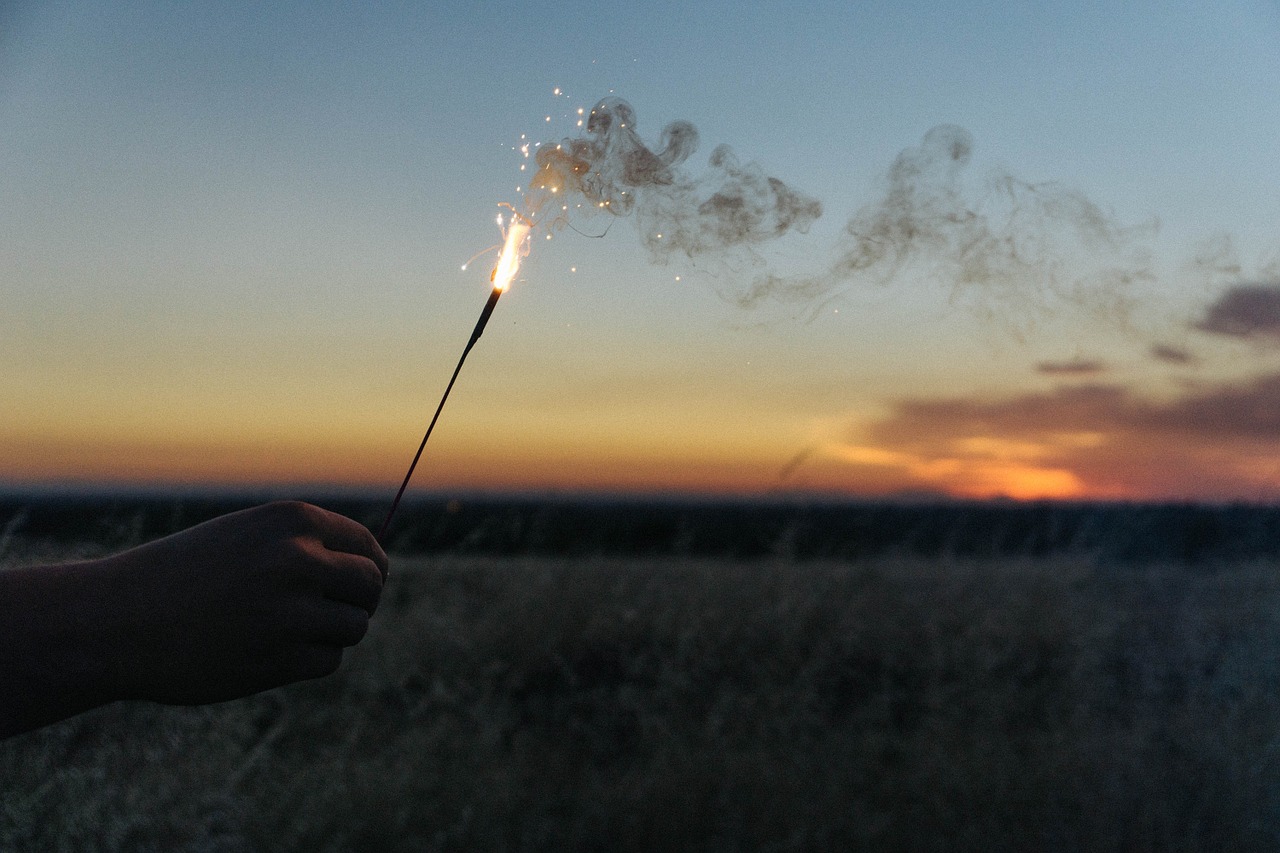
1230 412
1095 440
1172 354
1245 311
1075 367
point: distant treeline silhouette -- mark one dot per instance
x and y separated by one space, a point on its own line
737 529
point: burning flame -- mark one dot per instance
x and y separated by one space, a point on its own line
514 247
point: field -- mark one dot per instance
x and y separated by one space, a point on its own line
716 678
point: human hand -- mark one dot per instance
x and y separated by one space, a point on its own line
243 603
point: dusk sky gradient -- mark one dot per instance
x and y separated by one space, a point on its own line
233 239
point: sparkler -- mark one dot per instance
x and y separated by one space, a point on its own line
514 247
608 171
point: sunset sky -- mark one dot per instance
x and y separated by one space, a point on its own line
1048 261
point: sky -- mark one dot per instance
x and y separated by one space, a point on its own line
1047 265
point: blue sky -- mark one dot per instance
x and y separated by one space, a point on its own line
235 232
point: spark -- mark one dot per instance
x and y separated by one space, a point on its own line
484 251
515 247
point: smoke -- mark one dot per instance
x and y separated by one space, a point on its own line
1008 249
730 205
1216 258
1012 248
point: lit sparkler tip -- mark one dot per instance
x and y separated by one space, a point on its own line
514 247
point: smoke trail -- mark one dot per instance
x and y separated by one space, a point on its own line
1216 259
612 170
1011 251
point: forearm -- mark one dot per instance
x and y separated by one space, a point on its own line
61 640
239 604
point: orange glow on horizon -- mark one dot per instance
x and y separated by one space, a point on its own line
611 461
1000 469
1023 483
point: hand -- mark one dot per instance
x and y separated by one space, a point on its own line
243 603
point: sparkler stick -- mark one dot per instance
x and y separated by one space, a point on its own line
475 336
503 273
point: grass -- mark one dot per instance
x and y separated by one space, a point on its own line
518 703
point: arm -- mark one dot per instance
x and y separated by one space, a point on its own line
239 604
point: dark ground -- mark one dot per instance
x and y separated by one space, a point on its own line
737 529
586 675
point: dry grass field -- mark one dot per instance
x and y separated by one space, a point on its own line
683 703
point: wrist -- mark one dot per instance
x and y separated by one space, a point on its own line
62 634
111 621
